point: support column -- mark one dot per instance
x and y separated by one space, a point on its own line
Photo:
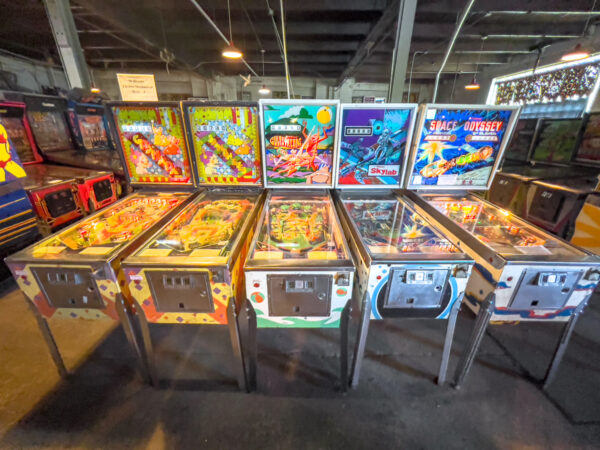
404 30
67 42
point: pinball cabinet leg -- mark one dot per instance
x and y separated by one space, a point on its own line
236 344
250 351
127 324
149 360
50 342
481 323
361 341
448 341
344 329
562 344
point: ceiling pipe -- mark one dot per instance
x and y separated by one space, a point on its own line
285 57
461 21
219 32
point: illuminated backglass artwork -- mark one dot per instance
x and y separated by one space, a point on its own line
153 144
299 143
373 144
226 143
458 147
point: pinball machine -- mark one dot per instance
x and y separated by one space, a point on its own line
12 117
540 151
521 273
190 271
95 189
55 198
76 273
49 120
406 269
554 202
53 191
299 270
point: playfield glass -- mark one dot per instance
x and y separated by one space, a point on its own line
207 228
226 143
299 228
589 146
518 148
299 142
458 147
153 143
102 234
50 130
499 229
556 140
93 131
389 227
373 144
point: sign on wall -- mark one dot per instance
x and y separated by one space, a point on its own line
137 87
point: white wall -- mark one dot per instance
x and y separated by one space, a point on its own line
33 75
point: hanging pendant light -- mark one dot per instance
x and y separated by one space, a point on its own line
264 90
231 51
578 52
474 85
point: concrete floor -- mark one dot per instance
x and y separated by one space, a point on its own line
397 405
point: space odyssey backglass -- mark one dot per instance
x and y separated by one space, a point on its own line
299 140
373 144
457 147
225 142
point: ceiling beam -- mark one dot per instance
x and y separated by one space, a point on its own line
378 33
518 6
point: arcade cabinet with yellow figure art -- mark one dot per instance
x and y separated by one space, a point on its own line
18 226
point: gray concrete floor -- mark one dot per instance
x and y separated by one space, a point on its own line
104 404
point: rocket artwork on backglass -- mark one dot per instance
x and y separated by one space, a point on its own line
299 141
153 143
458 147
226 143
373 144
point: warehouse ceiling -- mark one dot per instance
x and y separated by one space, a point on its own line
325 38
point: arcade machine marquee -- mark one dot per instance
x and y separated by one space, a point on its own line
521 272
